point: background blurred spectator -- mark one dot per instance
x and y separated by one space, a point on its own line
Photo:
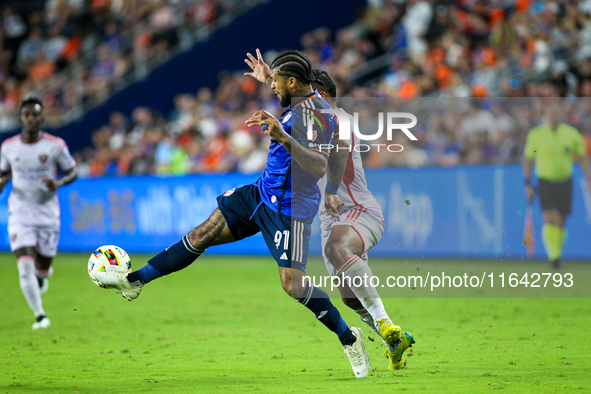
415 48
94 45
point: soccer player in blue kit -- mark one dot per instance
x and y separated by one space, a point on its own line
281 204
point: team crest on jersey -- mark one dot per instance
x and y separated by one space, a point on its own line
287 117
229 192
312 118
42 158
13 237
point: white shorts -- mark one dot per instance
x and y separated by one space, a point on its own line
43 238
370 231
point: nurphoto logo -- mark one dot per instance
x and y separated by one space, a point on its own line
349 124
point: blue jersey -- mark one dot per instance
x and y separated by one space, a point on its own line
284 186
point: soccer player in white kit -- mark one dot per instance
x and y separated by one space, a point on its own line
352 224
32 159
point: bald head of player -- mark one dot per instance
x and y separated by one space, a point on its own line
291 72
31 118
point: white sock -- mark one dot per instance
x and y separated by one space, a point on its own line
29 284
354 267
367 319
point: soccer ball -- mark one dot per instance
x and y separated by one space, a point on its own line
107 258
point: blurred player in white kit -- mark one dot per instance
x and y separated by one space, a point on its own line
32 160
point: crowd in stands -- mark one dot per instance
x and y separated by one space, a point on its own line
408 49
206 133
75 51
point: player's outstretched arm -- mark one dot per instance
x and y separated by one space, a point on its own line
54 184
260 70
312 162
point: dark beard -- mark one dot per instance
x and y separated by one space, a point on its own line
285 101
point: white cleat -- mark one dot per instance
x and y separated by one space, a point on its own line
357 354
118 280
42 322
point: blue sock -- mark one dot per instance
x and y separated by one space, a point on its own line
318 302
174 258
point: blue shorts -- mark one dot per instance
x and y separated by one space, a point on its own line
287 238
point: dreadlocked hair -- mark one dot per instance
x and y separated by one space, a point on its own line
294 64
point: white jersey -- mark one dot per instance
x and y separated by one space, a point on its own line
353 192
30 201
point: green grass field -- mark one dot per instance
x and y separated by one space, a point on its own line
224 324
